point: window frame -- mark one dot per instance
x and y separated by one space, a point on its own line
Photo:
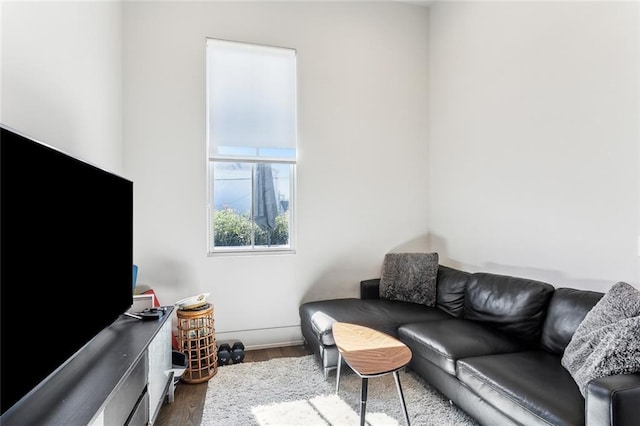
252 249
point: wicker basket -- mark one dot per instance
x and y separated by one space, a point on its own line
197 338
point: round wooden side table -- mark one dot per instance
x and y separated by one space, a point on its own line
196 335
370 353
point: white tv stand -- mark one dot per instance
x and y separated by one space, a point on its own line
119 378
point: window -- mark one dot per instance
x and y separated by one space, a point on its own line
251 139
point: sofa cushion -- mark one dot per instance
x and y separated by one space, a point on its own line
531 387
514 305
443 342
370 289
382 315
606 342
567 309
409 277
450 289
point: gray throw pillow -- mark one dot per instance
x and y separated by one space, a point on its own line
409 277
607 341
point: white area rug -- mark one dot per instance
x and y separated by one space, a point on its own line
293 392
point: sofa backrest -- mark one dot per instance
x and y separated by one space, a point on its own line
451 285
516 306
567 309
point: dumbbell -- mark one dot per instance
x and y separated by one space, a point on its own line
224 354
237 352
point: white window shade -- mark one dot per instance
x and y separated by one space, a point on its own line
251 101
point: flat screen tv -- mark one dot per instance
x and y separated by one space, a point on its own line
66 258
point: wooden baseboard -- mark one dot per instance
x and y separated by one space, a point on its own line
265 338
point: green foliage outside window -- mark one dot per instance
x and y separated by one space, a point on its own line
232 229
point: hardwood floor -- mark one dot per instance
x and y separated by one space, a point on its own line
186 409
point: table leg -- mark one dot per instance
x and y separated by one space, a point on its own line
338 372
363 400
172 387
404 406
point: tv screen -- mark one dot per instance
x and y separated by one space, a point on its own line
66 258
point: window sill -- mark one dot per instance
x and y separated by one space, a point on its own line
251 252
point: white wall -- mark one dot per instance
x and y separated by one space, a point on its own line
61 76
534 162
362 142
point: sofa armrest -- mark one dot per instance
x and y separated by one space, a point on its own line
370 289
613 400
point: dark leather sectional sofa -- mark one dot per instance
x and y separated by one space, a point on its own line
492 345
